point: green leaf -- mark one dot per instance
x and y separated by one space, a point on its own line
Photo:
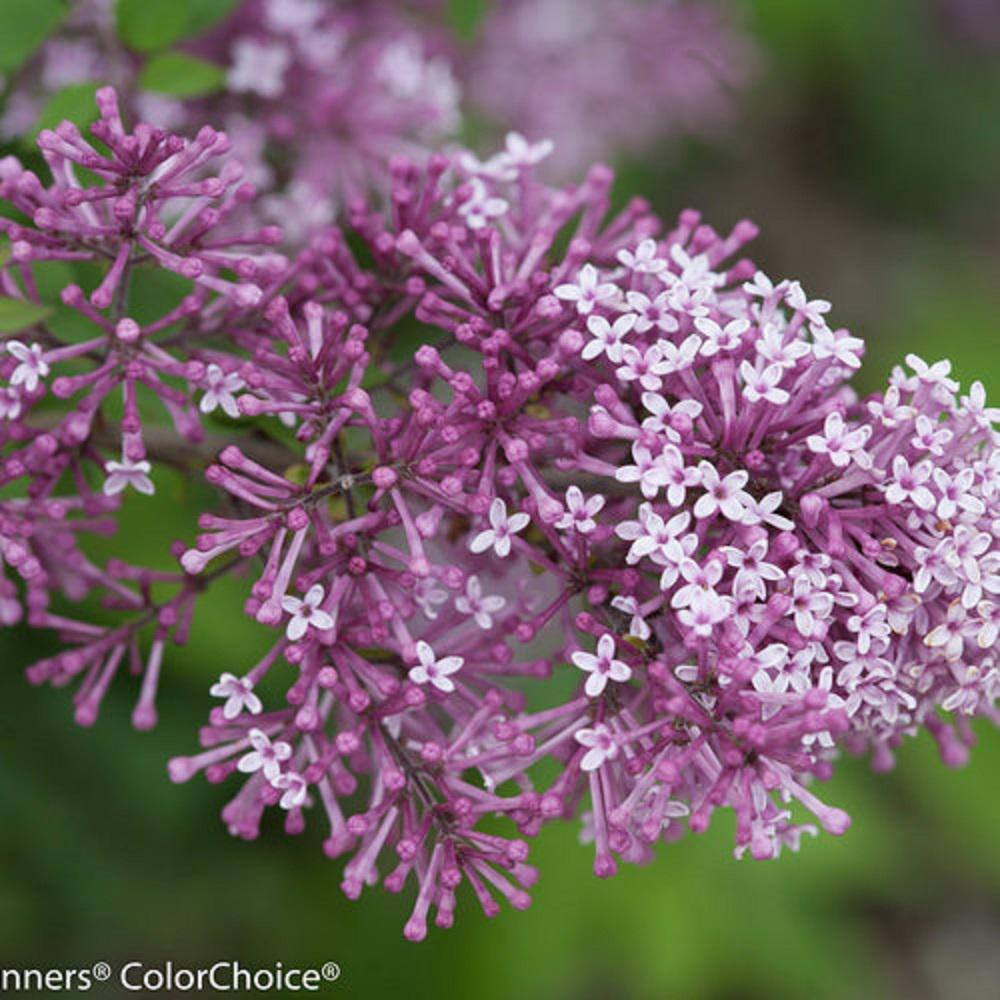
16 314
24 25
181 75
147 25
74 103
464 16
202 14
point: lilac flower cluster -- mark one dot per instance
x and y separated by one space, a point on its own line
152 201
320 96
560 512
317 96
607 75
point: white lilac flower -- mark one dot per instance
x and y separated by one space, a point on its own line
580 511
638 626
600 744
723 494
128 473
429 596
434 671
294 788
481 606
239 695
502 528
601 667
480 208
762 383
306 613
220 387
908 484
645 259
587 292
839 444
607 338
265 755
258 67
31 367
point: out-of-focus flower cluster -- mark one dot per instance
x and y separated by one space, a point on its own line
551 512
316 97
608 75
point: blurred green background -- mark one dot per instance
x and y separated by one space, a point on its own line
868 150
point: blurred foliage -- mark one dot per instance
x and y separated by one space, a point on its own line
868 151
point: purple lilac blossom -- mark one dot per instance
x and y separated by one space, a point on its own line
607 76
317 97
616 542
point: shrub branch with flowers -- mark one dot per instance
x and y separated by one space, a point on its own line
612 539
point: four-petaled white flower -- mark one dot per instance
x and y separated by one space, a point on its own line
472 602
839 444
238 692
265 755
644 260
608 338
652 312
588 292
872 625
126 473
580 512
481 207
31 367
956 493
935 375
306 612
949 636
502 527
722 495
762 287
975 407
602 667
930 436
764 511
600 743
219 392
258 67
664 414
751 568
706 610
721 338
650 472
638 626
650 535
431 670
828 344
814 311
295 788
678 357
889 410
908 484
427 595
10 403
519 152
774 349
808 606
644 367
761 383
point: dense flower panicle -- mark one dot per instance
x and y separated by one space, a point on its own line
316 98
336 90
151 201
549 511
607 76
